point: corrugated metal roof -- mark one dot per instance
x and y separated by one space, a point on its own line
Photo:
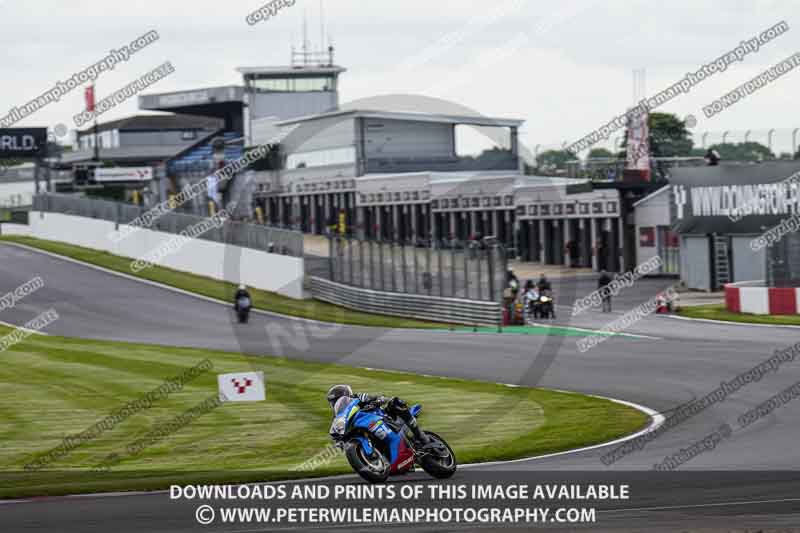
140 153
474 120
158 122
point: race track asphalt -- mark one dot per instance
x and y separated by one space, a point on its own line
672 362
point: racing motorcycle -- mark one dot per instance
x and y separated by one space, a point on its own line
543 307
378 446
243 305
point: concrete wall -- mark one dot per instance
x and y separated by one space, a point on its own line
20 230
254 268
17 193
652 213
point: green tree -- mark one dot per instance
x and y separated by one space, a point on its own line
555 158
748 151
668 136
600 153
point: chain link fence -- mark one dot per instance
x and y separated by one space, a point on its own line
246 235
470 271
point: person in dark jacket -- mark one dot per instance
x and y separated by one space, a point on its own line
544 284
605 293
712 157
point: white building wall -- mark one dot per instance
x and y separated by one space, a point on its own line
651 213
269 272
17 193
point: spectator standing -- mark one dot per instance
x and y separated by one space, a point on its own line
605 293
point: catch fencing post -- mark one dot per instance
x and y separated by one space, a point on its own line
453 270
416 268
490 267
371 267
479 273
393 266
428 269
350 253
405 274
466 273
361 261
330 257
380 260
441 271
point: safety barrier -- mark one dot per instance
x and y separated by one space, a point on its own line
246 235
756 298
434 308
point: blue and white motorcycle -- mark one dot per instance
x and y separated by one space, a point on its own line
378 446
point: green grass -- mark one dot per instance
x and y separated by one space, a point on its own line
719 312
267 301
55 387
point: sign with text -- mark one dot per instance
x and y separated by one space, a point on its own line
23 142
102 175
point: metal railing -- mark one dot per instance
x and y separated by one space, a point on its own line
417 306
244 234
475 271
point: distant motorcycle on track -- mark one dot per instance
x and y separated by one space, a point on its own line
243 305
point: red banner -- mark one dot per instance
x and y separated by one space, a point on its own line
89 94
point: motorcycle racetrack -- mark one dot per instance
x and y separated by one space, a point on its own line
661 363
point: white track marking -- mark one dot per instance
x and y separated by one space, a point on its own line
23 328
731 323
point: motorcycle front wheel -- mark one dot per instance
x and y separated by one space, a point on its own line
436 466
373 468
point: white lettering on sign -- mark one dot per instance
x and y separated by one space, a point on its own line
736 201
22 143
183 98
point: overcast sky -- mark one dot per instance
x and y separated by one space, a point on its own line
563 66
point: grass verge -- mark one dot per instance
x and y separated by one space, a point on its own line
267 301
55 387
719 312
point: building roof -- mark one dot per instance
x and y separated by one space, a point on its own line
650 196
549 181
158 122
474 120
292 71
130 153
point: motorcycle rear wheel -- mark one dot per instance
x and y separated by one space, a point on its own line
374 468
439 467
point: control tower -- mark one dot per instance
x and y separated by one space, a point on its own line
308 86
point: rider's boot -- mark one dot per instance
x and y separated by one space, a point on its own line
399 407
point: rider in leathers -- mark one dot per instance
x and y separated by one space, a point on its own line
394 407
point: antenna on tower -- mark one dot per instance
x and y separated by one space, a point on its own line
305 32
639 84
321 25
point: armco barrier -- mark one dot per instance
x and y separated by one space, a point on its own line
417 306
756 298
